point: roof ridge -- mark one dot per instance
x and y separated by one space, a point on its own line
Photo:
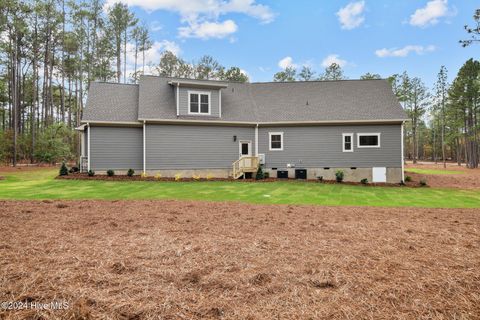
317 81
115 83
260 82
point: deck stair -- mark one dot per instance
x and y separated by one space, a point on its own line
245 164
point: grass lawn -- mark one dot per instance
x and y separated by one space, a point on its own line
40 184
432 171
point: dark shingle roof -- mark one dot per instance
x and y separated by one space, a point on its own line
346 100
111 102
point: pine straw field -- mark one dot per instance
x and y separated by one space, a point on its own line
192 260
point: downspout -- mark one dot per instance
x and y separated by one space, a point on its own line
256 140
88 147
144 148
178 99
403 159
220 102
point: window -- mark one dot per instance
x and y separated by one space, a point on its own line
199 102
347 142
276 141
368 140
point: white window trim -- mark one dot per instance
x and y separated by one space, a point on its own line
270 134
343 141
368 134
199 103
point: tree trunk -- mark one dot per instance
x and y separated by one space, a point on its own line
125 56
118 54
434 149
34 94
62 91
414 138
443 131
14 100
135 67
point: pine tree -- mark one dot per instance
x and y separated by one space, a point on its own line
333 72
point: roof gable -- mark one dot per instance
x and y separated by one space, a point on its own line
111 102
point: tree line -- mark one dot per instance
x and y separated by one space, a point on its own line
443 121
50 50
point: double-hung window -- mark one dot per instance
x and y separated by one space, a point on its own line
276 141
368 140
347 139
199 102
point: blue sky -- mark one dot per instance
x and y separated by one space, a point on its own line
262 36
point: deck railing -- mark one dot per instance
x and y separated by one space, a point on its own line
245 164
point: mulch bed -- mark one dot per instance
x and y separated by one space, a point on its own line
84 176
203 260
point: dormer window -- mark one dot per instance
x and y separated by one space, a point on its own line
198 102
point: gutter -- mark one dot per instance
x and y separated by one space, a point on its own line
140 122
282 123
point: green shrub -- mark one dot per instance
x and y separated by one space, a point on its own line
423 182
110 173
91 173
54 144
320 178
6 145
339 175
130 172
73 170
266 175
364 181
408 178
260 175
63 169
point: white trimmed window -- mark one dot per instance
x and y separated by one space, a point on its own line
275 141
368 140
347 140
198 102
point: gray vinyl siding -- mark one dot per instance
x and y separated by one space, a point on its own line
194 147
321 146
85 142
214 103
116 148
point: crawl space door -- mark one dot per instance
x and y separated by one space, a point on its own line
379 174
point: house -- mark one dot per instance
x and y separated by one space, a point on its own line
225 129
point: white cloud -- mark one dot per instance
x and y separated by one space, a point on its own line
212 8
155 26
333 58
249 7
204 14
431 13
403 52
286 62
207 30
351 16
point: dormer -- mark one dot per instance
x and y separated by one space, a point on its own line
198 98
